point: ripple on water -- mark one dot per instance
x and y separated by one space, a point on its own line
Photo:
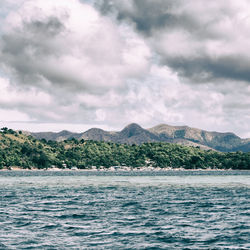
119 212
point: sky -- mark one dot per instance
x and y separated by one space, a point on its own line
77 64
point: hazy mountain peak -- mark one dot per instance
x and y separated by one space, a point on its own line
64 132
135 134
132 129
133 126
92 130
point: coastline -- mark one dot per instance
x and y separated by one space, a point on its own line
143 169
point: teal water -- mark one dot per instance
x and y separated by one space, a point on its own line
125 210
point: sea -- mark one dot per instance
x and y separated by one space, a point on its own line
125 210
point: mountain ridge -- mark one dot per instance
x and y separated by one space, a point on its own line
135 134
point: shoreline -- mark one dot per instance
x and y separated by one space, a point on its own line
116 170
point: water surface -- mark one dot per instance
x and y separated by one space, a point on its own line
124 210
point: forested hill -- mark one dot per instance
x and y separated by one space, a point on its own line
17 149
135 134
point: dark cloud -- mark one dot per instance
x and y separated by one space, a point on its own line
32 36
198 25
50 27
148 15
69 47
114 62
206 69
24 50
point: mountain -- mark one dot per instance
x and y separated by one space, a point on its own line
97 134
60 136
131 134
19 151
215 140
135 134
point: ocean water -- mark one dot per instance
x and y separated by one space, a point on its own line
125 210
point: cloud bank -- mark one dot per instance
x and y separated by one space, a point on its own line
111 62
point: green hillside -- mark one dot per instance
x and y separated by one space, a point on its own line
17 149
135 134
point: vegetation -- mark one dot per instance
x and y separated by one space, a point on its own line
17 149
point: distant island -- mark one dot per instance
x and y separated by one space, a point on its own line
21 151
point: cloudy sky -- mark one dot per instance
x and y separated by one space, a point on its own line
76 64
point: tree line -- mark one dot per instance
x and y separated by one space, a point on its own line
17 149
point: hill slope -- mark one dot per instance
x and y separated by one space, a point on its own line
135 134
19 150
218 141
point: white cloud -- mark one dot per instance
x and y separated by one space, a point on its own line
71 46
65 63
13 115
